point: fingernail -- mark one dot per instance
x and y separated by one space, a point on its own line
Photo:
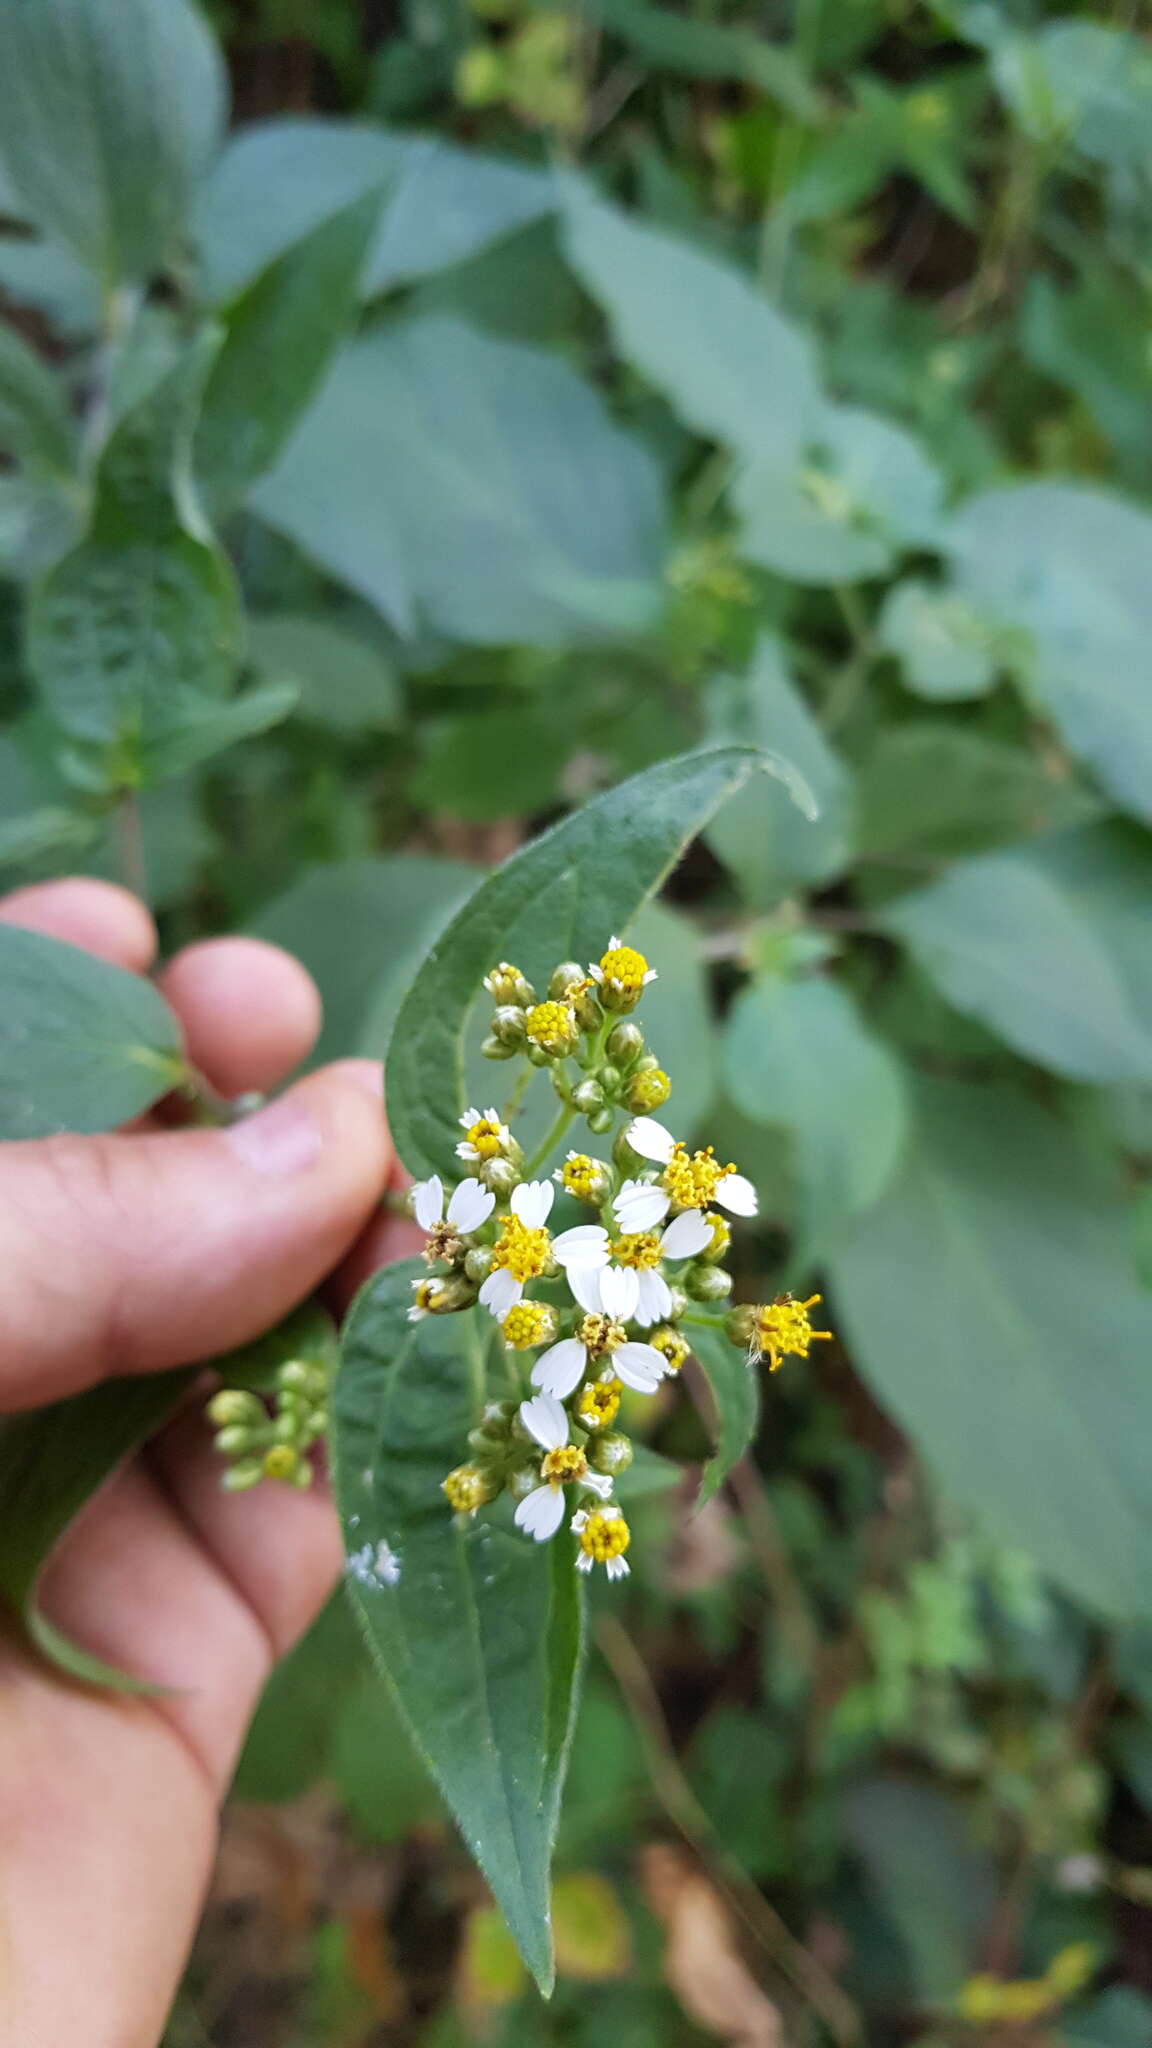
280 1140
367 1075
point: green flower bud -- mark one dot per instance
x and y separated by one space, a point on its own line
286 1427
506 985
233 1405
501 1175
601 1120
538 1056
740 1324
587 1097
610 1453
679 1302
609 1079
236 1439
478 1264
281 1462
301 1376
493 1049
564 977
521 1484
508 1025
708 1283
320 1420
625 1043
239 1478
302 1476
646 1090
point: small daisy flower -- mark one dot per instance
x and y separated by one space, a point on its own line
690 1180
599 1402
604 1536
622 974
621 1277
428 1299
597 1338
485 1137
782 1330
553 1027
588 1179
541 1512
470 1205
527 1324
524 1249
467 1489
639 1207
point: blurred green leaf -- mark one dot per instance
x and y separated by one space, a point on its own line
677 1016
341 679
478 1632
933 1881
927 793
110 116
34 420
972 1296
768 839
474 486
734 1381
863 493
377 1768
945 648
710 49
1120 2017
290 1743
84 1046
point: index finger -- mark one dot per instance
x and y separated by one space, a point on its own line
97 916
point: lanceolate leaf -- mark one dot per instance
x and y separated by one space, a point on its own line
51 1462
562 897
735 1385
478 1632
83 1045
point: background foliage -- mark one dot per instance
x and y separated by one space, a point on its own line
500 400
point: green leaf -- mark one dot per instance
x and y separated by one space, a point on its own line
473 486
972 1298
932 792
1071 565
1091 340
560 898
864 493
1006 939
710 49
110 115
341 679
362 929
290 1742
193 728
34 419
797 1054
52 1460
733 367
145 609
678 1020
1119 2018
51 830
735 1386
279 337
83 1045
769 841
279 179
946 649
478 1632
935 1885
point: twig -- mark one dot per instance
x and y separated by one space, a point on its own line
130 857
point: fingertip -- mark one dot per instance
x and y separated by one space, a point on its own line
99 917
250 1012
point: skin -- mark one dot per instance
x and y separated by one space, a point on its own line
130 1253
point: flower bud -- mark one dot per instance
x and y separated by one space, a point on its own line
552 1029
319 1424
501 1175
609 1079
495 1049
587 1097
679 1301
506 985
234 1405
478 1264
625 1043
628 1161
524 1482
721 1239
610 1453
708 1283
600 1121
239 1478
646 1090
740 1324
508 1025
238 1438
303 1375
281 1462
568 975
468 1488
452 1293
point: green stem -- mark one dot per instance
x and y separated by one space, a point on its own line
518 1093
130 857
549 1143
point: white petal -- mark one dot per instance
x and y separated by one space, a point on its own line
617 1567
561 1369
619 1292
655 1299
492 1116
466 1151
583 1561
614 943
470 1117
500 1292
650 1139
599 1482
428 1202
639 1206
585 1284
640 1366
585 1245
416 1315
532 1202
541 1512
579 1520
737 1194
684 1236
471 1205
544 1418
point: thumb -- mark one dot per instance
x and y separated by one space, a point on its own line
138 1251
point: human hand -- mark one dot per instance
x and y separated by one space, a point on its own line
127 1254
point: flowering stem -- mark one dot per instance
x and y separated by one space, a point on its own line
549 1143
518 1093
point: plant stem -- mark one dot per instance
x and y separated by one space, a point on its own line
130 845
550 1141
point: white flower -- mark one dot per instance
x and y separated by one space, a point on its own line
497 1134
531 1206
640 1207
500 1292
650 1140
541 1512
615 943
736 1193
560 1370
470 1206
605 1290
532 1203
616 1567
637 1293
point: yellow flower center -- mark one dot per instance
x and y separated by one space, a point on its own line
551 1026
466 1489
560 1466
426 1295
583 1177
721 1237
599 1334
671 1345
782 1330
528 1323
604 1536
524 1252
639 1248
692 1178
649 1090
599 1402
486 1138
623 968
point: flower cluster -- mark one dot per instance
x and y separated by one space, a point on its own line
595 1307
258 1442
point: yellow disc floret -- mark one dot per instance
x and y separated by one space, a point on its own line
605 1535
692 1178
598 1403
524 1252
528 1323
671 1345
467 1489
599 1334
553 1027
639 1248
782 1330
487 1138
624 971
648 1091
585 1178
558 1467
